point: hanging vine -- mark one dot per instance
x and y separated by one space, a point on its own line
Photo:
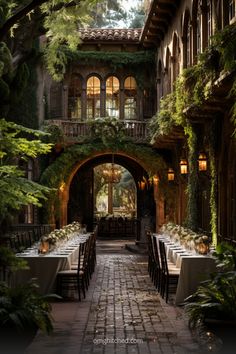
193 180
192 89
213 174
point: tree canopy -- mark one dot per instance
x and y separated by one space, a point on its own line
18 144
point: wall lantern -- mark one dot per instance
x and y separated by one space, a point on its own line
183 166
155 180
202 162
170 174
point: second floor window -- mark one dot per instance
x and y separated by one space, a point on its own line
199 27
209 20
231 9
188 45
112 97
93 98
74 98
130 100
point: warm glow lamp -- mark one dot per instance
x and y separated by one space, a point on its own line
202 162
171 174
183 167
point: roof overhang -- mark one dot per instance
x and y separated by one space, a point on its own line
159 18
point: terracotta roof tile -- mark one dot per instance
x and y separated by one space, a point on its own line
110 34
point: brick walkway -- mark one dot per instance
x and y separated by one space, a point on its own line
122 314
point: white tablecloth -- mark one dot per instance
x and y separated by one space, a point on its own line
194 268
45 267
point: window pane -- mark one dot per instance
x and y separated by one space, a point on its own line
112 97
231 9
93 97
74 98
130 98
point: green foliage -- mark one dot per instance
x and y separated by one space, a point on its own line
23 308
108 129
194 86
5 59
134 61
15 189
116 59
225 43
9 261
108 13
23 101
55 134
62 27
215 298
213 191
193 180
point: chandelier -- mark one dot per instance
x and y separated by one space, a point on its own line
111 172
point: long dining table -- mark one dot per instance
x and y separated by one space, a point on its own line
44 267
194 267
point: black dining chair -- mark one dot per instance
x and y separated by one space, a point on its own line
157 263
169 273
74 279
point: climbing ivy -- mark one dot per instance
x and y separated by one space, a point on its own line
193 179
59 171
192 88
116 60
213 174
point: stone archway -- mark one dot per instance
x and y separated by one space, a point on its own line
59 175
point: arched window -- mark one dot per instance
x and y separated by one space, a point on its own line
187 43
199 26
112 97
159 83
176 52
167 79
93 97
130 100
231 10
74 98
209 20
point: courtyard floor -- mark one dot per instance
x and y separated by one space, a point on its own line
121 314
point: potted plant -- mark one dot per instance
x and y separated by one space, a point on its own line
214 303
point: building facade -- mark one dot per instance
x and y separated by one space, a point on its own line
168 88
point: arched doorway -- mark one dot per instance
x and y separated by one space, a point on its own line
115 191
82 201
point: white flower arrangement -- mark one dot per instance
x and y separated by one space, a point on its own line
58 235
186 236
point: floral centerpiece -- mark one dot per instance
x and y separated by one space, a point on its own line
202 244
58 235
188 238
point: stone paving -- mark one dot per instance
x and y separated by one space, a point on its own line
122 313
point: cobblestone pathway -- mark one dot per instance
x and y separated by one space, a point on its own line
122 314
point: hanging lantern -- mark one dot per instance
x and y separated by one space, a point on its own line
202 162
183 166
171 174
155 180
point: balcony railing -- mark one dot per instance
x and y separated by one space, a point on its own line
134 130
